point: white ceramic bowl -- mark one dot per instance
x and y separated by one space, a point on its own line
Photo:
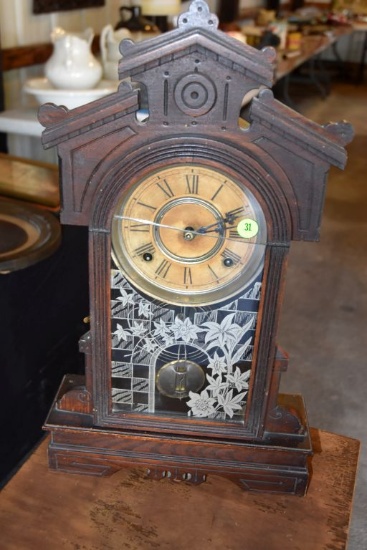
44 92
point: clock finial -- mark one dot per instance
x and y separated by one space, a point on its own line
198 16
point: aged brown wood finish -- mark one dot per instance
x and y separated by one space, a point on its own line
281 157
128 509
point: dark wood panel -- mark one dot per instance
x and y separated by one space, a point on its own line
48 6
25 56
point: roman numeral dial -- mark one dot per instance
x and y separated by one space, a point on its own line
192 183
180 235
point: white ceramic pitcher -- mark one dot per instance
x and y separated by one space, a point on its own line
72 65
109 45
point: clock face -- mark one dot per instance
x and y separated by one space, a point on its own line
188 234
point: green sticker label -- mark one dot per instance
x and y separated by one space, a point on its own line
247 228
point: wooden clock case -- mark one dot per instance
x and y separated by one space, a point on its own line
179 100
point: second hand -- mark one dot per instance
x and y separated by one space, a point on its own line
198 233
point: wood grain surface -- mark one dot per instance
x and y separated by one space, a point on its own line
42 510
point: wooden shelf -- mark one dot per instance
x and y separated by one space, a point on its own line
32 54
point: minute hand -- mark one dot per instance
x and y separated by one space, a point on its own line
220 226
198 232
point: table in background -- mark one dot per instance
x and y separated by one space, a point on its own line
312 46
42 509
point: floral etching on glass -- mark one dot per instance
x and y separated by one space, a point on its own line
147 335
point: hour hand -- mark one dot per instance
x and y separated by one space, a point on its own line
220 226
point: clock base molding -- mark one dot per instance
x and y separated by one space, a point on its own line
78 447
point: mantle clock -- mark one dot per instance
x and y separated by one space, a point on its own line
193 180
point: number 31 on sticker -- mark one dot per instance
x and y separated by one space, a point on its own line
247 228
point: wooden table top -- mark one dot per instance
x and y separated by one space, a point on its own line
45 510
